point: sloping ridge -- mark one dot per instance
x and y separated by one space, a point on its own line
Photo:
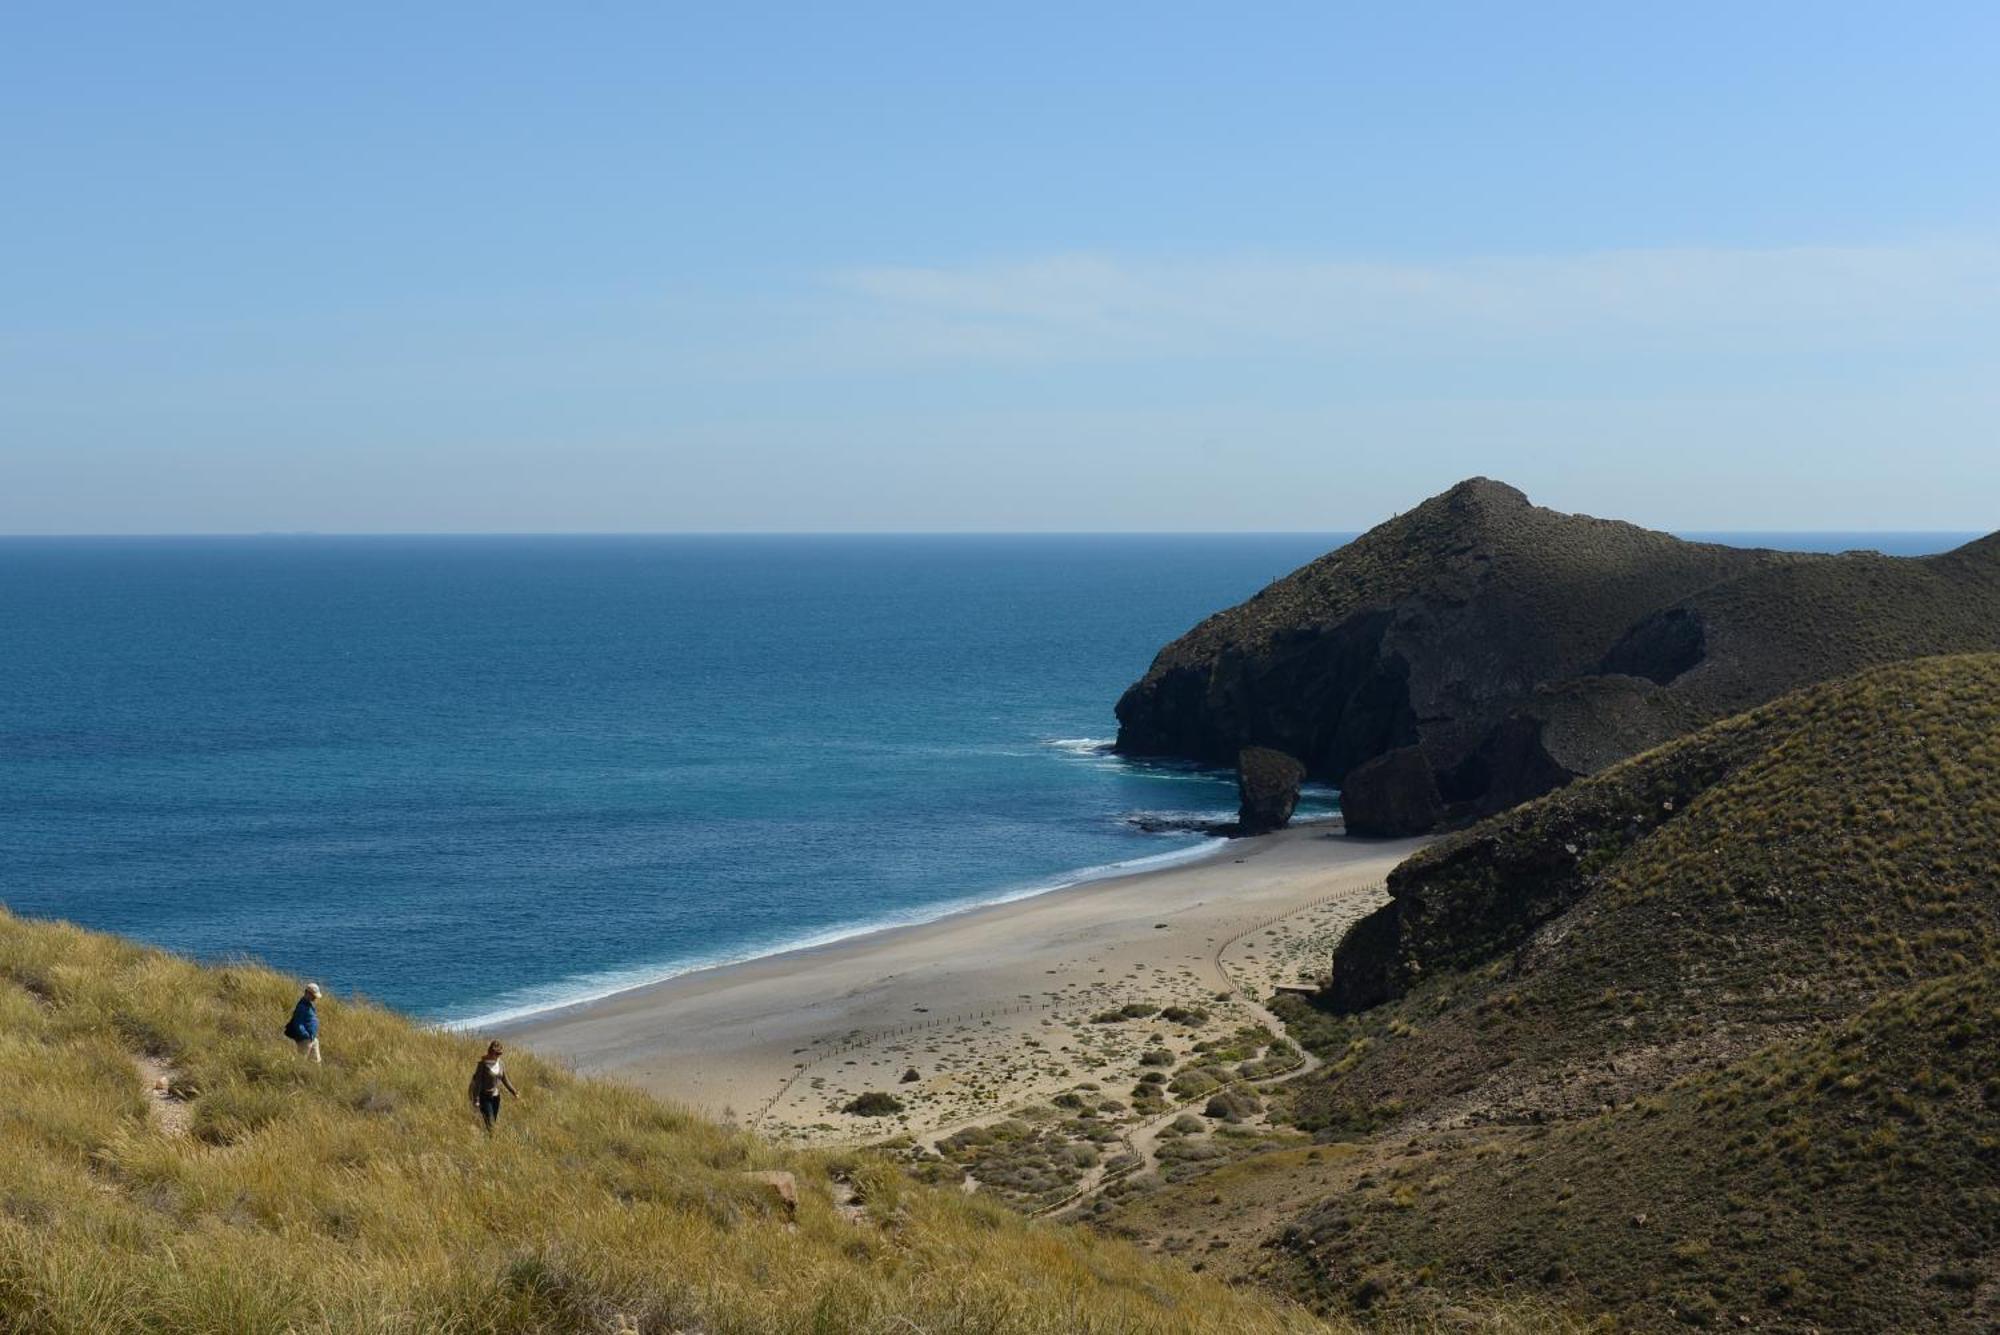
1710 1037
1480 650
1844 1182
361 1196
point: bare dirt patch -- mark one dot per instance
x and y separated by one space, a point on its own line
170 1114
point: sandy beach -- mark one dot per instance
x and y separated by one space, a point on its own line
982 1010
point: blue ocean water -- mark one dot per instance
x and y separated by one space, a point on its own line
471 775
476 776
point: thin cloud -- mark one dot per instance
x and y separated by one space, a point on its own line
1099 306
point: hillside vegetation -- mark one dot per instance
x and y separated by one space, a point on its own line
1710 1038
1478 651
272 1195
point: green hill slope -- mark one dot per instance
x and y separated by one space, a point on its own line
1850 1181
361 1196
1709 1037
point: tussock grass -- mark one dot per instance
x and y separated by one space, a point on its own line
362 1196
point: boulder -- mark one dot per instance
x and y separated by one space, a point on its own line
1268 784
1393 795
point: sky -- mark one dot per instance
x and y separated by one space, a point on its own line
511 268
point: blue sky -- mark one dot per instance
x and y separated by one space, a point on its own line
503 268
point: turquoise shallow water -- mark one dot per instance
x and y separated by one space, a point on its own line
472 776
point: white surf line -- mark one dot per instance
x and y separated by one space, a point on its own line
639 980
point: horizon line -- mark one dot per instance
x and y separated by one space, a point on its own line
283 534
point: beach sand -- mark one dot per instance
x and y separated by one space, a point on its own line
990 1007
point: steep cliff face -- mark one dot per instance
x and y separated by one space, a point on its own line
1506 649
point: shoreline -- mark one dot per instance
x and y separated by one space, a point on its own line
510 1018
976 1009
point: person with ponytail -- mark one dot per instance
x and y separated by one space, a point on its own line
487 1082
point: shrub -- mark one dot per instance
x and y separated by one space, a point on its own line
874 1103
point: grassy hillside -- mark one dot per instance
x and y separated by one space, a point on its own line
1710 1038
1777 869
361 1195
1849 1181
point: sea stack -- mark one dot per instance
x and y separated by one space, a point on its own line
1267 783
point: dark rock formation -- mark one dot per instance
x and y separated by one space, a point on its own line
1659 648
1367 964
1480 893
1394 794
1268 784
1153 822
1510 648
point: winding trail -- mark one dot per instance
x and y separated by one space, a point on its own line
1142 1139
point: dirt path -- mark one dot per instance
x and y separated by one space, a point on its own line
172 1116
1142 1139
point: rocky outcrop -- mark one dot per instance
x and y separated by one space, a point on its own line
1505 649
1479 893
1267 782
1393 795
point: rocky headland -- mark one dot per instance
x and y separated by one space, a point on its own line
1480 650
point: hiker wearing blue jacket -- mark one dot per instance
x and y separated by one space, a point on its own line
303 1029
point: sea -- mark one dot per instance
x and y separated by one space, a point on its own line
479 777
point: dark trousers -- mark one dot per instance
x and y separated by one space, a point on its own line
489 1108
